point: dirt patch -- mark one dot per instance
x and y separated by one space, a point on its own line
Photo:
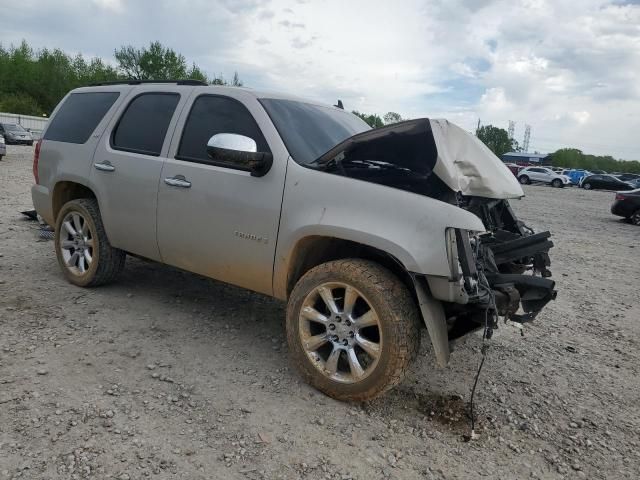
169 375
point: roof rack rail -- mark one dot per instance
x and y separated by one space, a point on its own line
140 82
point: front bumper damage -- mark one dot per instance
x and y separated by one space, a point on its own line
501 273
504 271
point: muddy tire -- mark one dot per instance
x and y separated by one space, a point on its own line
84 253
524 180
353 329
557 183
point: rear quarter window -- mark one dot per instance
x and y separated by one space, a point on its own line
79 116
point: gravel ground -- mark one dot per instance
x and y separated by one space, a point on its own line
166 374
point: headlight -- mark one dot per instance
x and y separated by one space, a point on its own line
452 254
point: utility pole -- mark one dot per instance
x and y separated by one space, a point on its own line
527 136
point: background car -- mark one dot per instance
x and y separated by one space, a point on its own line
605 182
627 177
3 147
576 174
635 182
627 205
15 134
514 168
542 175
599 172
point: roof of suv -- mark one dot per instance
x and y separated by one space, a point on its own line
142 86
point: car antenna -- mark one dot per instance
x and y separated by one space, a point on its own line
339 105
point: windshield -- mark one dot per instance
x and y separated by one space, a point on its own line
309 130
12 127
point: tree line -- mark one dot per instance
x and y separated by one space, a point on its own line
497 139
32 82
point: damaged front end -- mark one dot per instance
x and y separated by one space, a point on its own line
504 271
500 272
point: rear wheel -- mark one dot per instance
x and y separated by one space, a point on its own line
352 329
524 180
557 183
586 186
84 253
635 217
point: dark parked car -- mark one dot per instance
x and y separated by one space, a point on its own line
15 134
627 177
627 205
604 182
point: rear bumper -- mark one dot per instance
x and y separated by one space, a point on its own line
41 198
622 208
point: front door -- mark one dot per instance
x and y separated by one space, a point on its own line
127 164
217 221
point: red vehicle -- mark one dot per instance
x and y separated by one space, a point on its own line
514 168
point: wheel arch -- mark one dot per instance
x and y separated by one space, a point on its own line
314 250
65 191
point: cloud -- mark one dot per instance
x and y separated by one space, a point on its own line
567 68
113 5
288 24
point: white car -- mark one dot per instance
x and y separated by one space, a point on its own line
542 175
3 147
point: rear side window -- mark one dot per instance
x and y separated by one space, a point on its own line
79 116
144 124
212 114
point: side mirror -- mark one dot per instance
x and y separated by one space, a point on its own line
239 152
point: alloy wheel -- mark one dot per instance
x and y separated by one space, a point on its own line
340 332
76 243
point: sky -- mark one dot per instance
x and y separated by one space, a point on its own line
569 69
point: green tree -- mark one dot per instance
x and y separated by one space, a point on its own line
33 82
497 139
392 117
220 80
574 158
153 63
373 120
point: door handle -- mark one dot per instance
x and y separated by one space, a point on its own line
104 166
178 181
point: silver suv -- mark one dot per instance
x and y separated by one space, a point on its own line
367 234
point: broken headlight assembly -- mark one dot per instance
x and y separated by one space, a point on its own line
504 271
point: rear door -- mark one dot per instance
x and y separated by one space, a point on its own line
536 175
127 164
220 221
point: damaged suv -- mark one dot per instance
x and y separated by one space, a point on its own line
367 234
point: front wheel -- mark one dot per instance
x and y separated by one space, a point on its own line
557 183
353 329
524 180
84 253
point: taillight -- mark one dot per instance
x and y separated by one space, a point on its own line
619 196
36 158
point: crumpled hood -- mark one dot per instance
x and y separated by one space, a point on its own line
467 165
430 157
